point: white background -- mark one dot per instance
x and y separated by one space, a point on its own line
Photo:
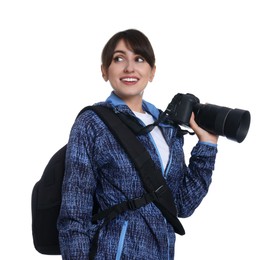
224 52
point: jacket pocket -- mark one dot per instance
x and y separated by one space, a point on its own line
121 241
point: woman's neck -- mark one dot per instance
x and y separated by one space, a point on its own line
134 103
135 107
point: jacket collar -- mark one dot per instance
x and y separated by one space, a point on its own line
117 102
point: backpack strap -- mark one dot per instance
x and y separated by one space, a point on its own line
132 204
151 177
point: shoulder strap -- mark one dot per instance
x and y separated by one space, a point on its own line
151 177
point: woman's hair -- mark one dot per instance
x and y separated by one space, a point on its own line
135 41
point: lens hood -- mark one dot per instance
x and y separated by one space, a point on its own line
237 124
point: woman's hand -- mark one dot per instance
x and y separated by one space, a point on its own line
202 134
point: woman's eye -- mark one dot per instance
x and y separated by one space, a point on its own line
140 59
118 59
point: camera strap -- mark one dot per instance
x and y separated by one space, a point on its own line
136 127
150 127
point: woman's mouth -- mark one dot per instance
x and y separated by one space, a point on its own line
129 80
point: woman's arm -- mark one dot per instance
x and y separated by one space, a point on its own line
197 176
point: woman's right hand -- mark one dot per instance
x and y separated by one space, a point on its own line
202 134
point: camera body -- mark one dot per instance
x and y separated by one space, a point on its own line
231 123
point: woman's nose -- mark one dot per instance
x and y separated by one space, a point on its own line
129 67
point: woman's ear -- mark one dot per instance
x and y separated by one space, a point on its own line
104 73
152 74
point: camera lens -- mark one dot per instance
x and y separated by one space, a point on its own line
224 121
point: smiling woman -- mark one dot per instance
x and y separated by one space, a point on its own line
128 75
129 67
99 174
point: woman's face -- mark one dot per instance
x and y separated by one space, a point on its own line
128 72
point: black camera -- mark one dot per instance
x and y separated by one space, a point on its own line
231 123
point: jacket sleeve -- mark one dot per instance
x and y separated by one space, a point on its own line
196 178
74 223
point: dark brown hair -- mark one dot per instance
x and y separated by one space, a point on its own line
135 40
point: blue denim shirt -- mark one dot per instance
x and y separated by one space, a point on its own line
99 172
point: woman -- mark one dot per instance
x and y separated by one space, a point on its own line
98 172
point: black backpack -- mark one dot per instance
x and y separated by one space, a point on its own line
46 194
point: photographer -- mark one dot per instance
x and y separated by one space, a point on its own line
99 173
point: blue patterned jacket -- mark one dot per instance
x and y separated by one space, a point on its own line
97 169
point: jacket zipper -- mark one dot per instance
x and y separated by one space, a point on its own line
170 156
121 241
